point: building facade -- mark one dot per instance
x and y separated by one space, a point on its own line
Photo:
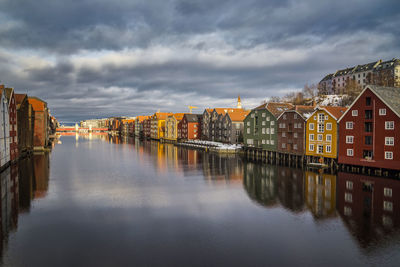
5 131
260 126
189 128
12 112
25 123
233 127
171 126
158 125
369 130
292 130
322 132
41 133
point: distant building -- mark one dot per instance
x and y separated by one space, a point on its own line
189 128
232 126
12 112
383 73
171 126
158 125
139 121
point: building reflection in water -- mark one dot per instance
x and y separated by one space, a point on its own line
320 194
369 206
20 184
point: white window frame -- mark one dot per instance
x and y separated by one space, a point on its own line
389 125
320 137
349 139
389 141
328 149
354 113
311 127
318 149
349 185
382 111
311 147
329 126
387 192
321 128
350 152
329 139
389 155
311 137
349 125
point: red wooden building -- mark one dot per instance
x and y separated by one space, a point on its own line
189 128
292 130
369 132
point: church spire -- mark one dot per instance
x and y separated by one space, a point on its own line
239 102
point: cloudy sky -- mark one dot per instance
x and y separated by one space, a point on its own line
98 58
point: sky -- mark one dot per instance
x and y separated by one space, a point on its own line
101 58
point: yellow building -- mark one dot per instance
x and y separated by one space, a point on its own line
320 194
322 132
171 126
157 130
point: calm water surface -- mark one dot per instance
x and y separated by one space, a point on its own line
97 201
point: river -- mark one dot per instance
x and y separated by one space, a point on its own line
102 201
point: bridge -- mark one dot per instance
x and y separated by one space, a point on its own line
77 129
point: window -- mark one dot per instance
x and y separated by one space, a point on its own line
319 137
368 114
272 122
321 117
249 141
349 125
272 131
263 142
329 138
347 211
349 139
284 116
382 111
320 149
248 123
267 142
295 135
387 192
368 127
295 116
268 118
368 101
311 147
389 125
320 127
350 152
283 145
354 113
272 142
252 115
348 197
388 155
263 123
387 205
349 185
368 140
315 117
389 141
268 131
248 130
263 130
329 126
311 136
263 115
311 127
328 149
283 134
295 146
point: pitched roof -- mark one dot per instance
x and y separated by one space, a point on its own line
192 117
178 116
19 98
161 115
336 112
142 118
276 108
226 110
238 115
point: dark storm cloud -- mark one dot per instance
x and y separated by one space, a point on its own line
100 58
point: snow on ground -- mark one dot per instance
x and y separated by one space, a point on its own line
331 100
216 145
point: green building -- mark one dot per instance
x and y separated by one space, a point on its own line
260 126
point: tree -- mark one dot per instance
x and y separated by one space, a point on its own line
310 91
352 88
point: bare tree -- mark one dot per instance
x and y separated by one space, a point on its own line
310 91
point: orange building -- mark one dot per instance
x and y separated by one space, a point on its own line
41 136
189 128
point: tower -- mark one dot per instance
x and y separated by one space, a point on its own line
239 102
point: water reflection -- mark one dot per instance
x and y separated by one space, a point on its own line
20 184
369 206
363 208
